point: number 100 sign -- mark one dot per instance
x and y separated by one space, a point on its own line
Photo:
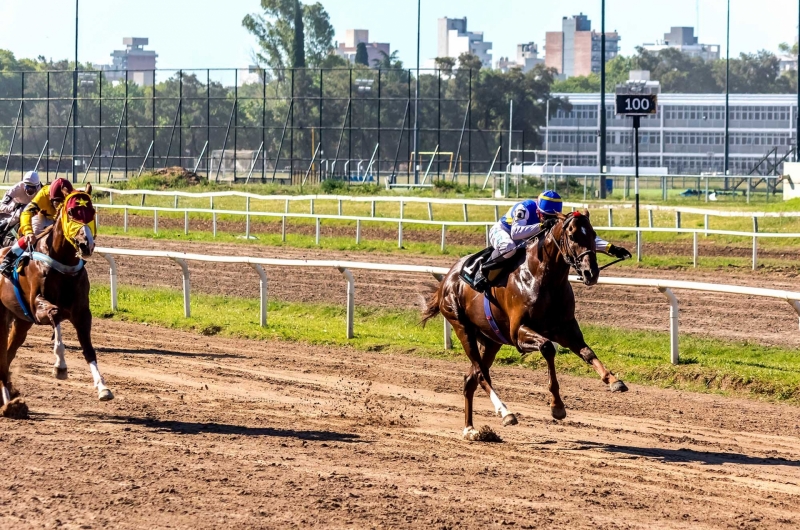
637 104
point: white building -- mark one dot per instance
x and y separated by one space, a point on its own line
352 38
683 39
454 39
527 58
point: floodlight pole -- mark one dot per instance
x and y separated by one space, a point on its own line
727 91
75 100
602 99
416 100
797 129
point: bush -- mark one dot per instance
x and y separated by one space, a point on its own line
332 186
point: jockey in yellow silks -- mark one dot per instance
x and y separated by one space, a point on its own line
38 215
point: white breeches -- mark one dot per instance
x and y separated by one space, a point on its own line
501 240
39 223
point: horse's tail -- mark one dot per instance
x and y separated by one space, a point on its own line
430 304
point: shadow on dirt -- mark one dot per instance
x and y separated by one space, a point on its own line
188 427
684 455
168 353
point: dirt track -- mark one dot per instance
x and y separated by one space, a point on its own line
207 432
765 321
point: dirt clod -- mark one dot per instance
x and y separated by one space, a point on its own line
16 409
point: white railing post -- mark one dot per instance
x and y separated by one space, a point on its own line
755 242
286 206
444 237
155 221
187 310
263 284
677 219
673 324
312 206
358 232
694 249
796 305
400 235
283 229
466 216
705 223
650 218
247 220
340 207
430 211
372 209
214 224
112 274
448 335
125 220
351 295
611 217
486 233
638 245
317 236
402 208
186 222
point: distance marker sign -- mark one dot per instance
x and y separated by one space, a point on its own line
636 104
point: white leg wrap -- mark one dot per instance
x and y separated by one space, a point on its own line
99 383
499 407
6 396
59 347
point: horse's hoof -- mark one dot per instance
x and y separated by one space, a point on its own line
470 434
59 373
618 386
15 409
559 413
105 395
509 420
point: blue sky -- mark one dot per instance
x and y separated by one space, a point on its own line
207 34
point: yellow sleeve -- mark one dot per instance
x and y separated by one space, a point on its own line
33 208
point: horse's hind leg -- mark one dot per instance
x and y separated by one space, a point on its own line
470 344
571 337
488 352
11 408
529 341
17 336
83 327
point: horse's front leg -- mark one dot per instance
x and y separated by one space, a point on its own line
83 327
60 366
488 351
529 341
571 336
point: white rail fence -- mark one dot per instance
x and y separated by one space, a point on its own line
345 267
755 235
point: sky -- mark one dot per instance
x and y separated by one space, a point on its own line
194 34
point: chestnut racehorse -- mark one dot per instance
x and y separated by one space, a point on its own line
53 286
531 306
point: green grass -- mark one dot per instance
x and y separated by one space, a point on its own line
707 365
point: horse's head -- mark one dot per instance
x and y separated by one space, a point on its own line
77 221
577 244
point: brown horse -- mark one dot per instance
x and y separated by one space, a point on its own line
532 306
53 287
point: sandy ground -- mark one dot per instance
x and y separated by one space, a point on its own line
766 321
208 432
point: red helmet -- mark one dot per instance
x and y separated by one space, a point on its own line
60 188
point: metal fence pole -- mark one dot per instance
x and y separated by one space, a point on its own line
351 293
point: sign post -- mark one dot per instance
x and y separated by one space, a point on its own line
636 106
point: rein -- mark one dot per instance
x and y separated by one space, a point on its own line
571 260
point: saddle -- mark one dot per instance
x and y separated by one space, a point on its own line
493 266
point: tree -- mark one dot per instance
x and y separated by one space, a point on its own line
469 61
280 31
578 84
299 45
788 50
362 57
445 64
388 61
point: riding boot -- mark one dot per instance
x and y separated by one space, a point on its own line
7 266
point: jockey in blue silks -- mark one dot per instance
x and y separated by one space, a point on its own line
525 220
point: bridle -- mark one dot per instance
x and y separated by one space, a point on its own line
573 260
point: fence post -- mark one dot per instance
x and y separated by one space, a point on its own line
705 223
263 284
466 217
430 211
402 209
214 224
694 249
312 206
673 324
187 310
372 208
351 294
283 229
755 242
400 235
317 238
611 217
340 207
247 219
125 220
448 335
155 221
638 245
444 232
650 218
286 206
112 272
186 222
677 219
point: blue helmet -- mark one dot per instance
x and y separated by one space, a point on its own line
549 202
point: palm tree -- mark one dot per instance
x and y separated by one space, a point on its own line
388 61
